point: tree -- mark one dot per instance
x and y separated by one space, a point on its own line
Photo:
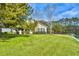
29 26
12 14
71 25
57 28
49 13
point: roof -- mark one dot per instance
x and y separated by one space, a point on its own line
43 22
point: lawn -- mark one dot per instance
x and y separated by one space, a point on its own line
38 45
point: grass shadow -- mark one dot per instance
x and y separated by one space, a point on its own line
6 37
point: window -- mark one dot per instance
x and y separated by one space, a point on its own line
41 29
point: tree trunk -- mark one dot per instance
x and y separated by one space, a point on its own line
11 31
50 27
24 32
17 32
0 30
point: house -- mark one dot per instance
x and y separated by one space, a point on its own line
41 27
7 30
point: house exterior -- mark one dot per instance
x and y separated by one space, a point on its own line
41 28
7 30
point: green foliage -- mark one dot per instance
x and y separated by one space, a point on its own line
70 25
29 25
57 28
11 14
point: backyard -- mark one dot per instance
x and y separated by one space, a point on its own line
38 45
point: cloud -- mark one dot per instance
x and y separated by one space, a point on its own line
62 10
74 12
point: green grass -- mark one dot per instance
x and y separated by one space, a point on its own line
38 45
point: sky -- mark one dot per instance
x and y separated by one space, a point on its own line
62 10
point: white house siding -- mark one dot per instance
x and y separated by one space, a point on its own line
41 26
7 30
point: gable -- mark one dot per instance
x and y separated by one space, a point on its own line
39 25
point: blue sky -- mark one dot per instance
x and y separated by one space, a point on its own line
62 10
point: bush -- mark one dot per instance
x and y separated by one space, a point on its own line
40 33
7 33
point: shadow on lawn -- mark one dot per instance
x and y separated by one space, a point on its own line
6 37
